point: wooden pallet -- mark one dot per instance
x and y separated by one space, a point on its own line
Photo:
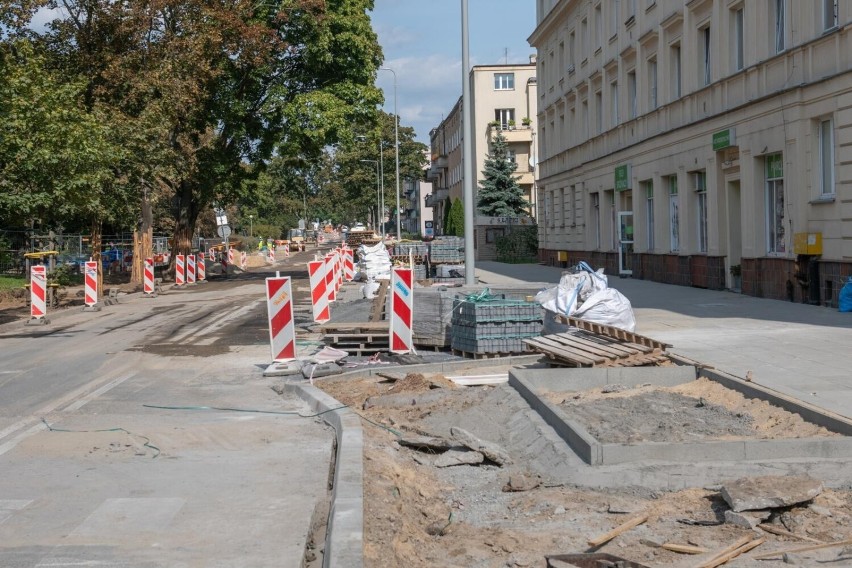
614 332
377 310
470 355
358 338
583 348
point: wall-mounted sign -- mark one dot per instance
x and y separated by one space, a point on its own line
622 177
724 139
774 166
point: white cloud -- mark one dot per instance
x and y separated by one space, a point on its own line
395 36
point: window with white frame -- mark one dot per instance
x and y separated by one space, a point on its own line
775 232
631 9
648 187
504 81
615 9
652 83
613 97
595 218
674 215
511 155
586 118
548 208
571 51
503 115
780 13
562 213
704 35
598 112
676 71
584 39
631 94
699 181
613 215
573 197
829 14
738 51
826 157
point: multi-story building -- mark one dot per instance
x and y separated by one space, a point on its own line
503 99
415 214
699 142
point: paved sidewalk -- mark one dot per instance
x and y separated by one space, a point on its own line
800 350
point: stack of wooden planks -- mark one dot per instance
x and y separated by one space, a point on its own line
358 338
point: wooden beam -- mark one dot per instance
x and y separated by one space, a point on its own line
623 527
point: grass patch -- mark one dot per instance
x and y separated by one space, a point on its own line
10 282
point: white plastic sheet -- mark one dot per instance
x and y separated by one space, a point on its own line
608 307
373 262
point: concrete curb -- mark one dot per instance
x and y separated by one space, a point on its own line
441 367
344 542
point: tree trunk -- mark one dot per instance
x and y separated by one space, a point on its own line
186 213
96 253
142 242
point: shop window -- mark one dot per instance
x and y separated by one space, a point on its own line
674 215
775 232
648 186
699 180
826 157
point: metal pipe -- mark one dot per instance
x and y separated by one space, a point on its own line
396 148
467 153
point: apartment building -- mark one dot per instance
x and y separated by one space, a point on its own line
503 99
415 214
704 142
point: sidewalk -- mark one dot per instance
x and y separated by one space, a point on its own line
800 350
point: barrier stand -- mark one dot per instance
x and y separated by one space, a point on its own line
90 270
148 286
279 307
348 264
319 297
38 295
212 253
190 270
287 251
400 334
243 260
180 278
338 271
329 278
272 255
202 268
231 253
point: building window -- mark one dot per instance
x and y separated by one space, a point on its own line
511 155
613 94
491 234
676 71
503 115
705 54
649 212
779 25
739 39
615 6
674 215
631 9
613 214
586 119
504 81
596 219
826 157
775 239
562 207
573 205
700 182
571 51
548 208
829 14
598 112
584 39
598 27
631 94
652 83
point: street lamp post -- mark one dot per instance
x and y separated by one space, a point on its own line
382 177
378 177
251 225
467 153
396 149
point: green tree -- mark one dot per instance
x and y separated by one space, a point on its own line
455 220
448 205
499 193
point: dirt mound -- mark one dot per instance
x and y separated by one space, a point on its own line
415 382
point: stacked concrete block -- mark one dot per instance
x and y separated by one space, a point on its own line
496 325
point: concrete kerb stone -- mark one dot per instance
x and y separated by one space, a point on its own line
445 366
596 453
344 546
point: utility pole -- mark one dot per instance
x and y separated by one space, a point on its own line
396 149
467 153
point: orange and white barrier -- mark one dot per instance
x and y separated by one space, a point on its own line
271 253
38 293
319 297
212 253
401 337
243 260
190 269
180 267
279 307
202 268
348 264
329 278
90 289
148 279
231 253
287 251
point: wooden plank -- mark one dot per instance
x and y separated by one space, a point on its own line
719 560
623 527
611 331
377 309
568 347
802 549
366 325
684 548
561 351
612 350
782 532
727 550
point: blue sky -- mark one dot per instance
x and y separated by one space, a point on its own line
422 43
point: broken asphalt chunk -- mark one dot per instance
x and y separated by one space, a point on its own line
458 457
490 450
767 492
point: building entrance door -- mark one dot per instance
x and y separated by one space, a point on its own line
625 243
735 236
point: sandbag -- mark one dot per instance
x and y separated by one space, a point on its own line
608 307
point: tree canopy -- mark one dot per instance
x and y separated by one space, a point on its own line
499 193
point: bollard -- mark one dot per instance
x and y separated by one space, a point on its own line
148 287
90 271
202 268
400 334
180 278
319 297
279 307
190 270
38 295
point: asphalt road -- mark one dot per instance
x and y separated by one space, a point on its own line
91 476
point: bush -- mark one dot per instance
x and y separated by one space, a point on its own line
519 246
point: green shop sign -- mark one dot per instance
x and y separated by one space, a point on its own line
724 139
622 177
774 166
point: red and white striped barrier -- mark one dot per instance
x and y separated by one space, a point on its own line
190 269
319 297
287 251
212 254
279 307
329 278
401 337
349 264
180 275
90 270
38 292
231 256
202 268
243 260
148 278
272 254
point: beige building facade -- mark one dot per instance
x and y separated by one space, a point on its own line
503 99
704 143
